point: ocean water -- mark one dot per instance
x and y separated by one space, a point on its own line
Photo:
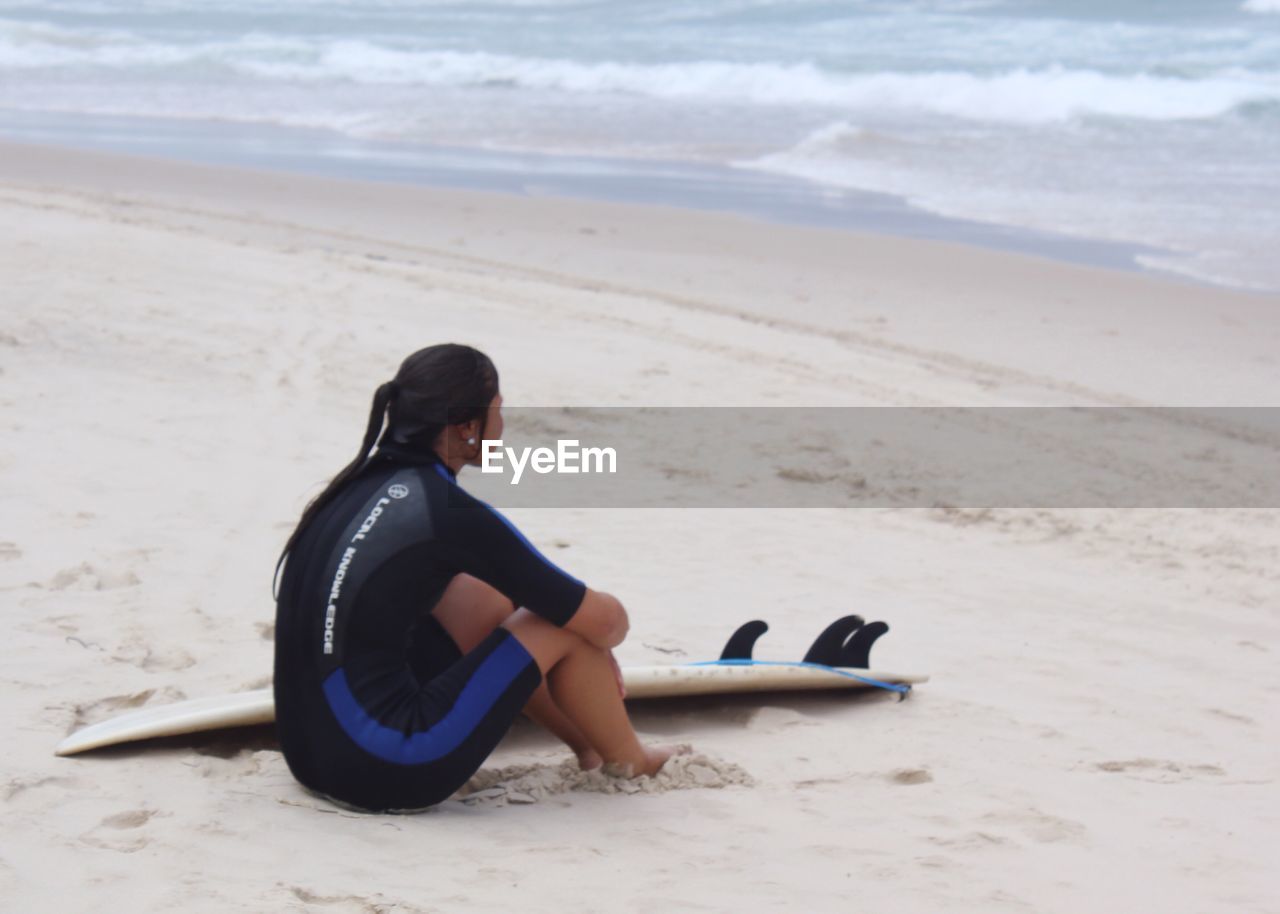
1142 122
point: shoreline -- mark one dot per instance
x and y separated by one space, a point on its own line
700 187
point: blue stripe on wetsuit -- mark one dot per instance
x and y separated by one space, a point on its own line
486 685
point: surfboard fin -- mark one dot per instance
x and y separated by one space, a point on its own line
742 642
827 647
857 650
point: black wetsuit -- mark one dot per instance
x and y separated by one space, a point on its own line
375 705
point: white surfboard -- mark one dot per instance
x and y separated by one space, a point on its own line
245 709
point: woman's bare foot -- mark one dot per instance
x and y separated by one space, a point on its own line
589 759
654 758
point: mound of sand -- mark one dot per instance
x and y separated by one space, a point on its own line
530 783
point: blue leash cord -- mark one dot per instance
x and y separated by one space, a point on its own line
902 690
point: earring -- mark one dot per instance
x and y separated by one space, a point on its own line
471 441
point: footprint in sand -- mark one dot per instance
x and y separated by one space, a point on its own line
968 841
910 776
141 655
16 786
122 820
1041 827
86 577
1159 770
115 832
358 904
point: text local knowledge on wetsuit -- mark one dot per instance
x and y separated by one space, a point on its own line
335 590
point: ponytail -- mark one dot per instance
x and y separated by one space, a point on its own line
382 398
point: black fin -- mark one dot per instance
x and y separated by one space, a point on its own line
743 641
857 651
826 648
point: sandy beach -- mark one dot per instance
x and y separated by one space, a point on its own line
187 356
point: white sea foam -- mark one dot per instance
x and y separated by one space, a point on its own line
1045 181
1021 96
1043 95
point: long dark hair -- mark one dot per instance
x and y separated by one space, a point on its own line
435 387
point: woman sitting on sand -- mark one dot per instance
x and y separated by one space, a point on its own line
401 656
